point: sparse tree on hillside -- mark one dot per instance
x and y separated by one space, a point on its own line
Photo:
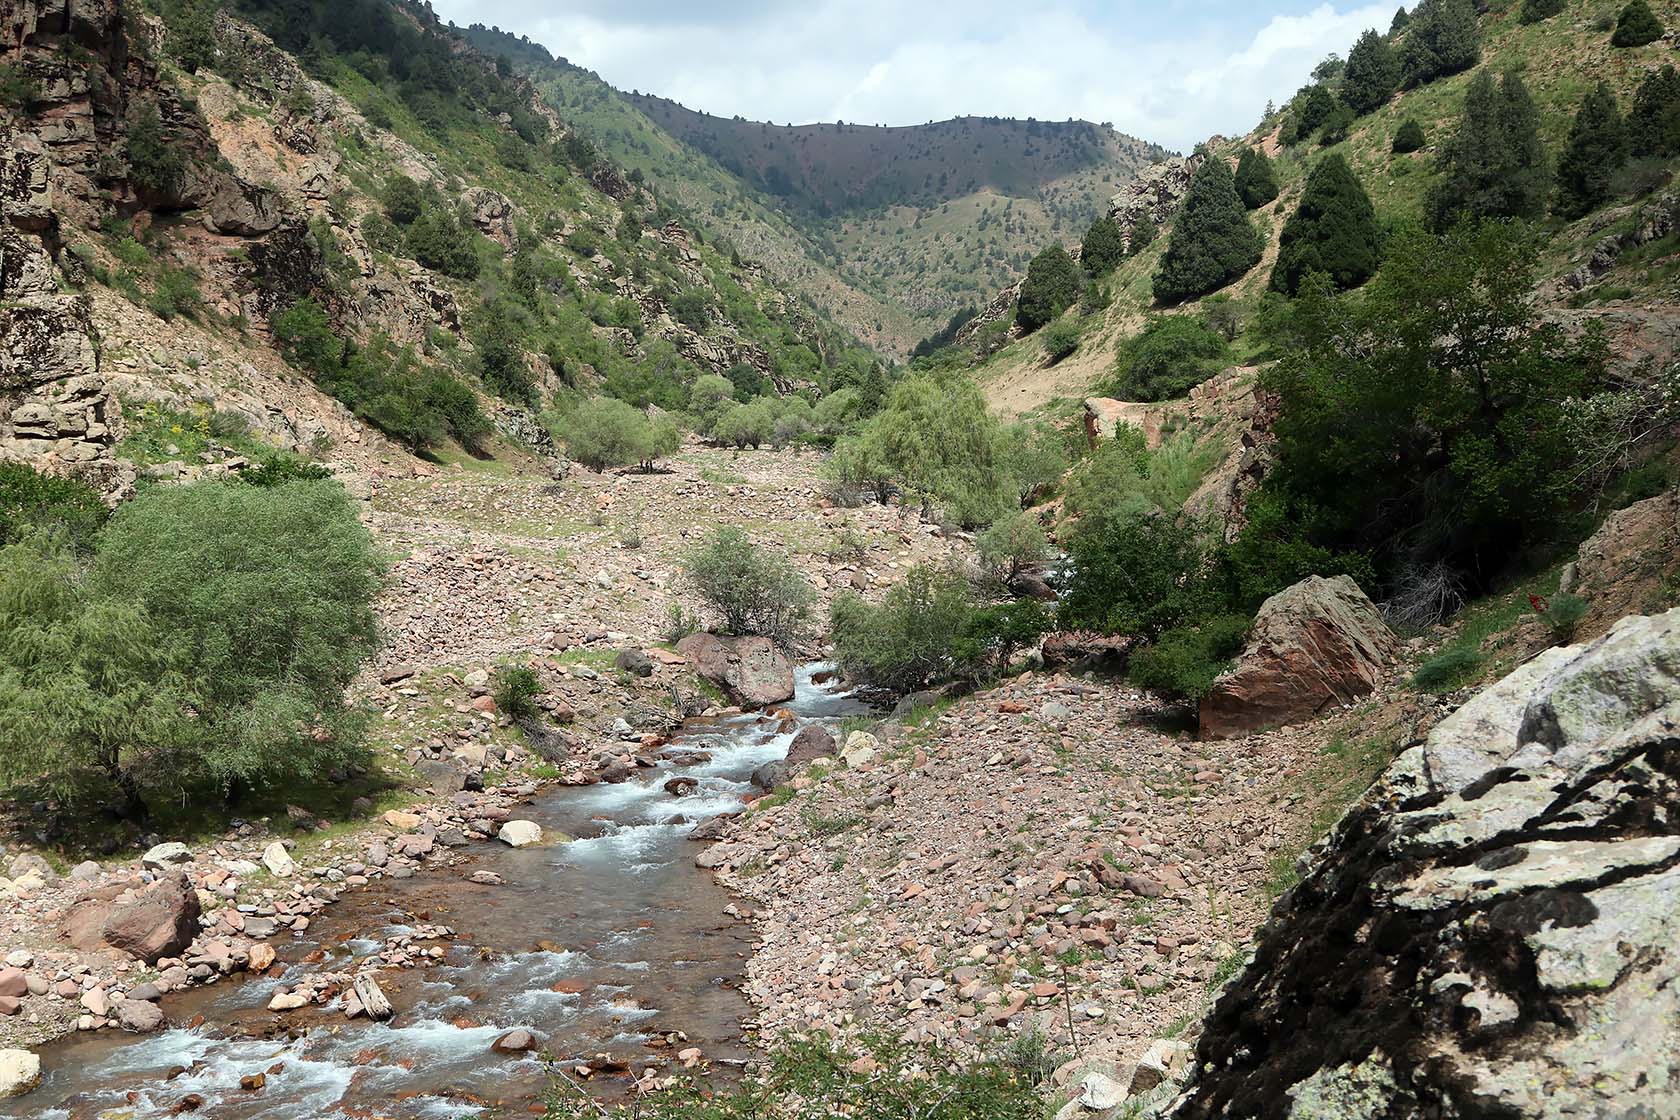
1255 179
1052 286
1442 38
1636 26
1409 137
1595 151
1103 247
1372 74
1653 125
1494 166
404 200
1333 231
1212 242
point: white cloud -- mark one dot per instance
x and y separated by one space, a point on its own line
1173 73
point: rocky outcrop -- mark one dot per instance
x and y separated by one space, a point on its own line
1631 564
1315 645
1156 191
1492 931
751 669
492 214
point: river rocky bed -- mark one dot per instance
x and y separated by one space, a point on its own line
603 943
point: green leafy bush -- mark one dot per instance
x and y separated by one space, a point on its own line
155 164
604 432
438 239
1185 661
1169 357
1139 572
1012 545
753 589
31 500
1060 339
1534 11
515 689
1563 614
995 634
405 200
912 639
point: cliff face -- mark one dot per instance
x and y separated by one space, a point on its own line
1492 933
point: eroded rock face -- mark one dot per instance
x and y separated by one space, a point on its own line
1315 645
1493 931
1156 191
751 669
1630 564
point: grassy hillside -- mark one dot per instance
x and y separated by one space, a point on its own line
890 230
1560 60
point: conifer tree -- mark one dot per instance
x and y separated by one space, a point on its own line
1636 26
1256 180
1052 285
1409 137
1494 166
1533 11
1333 231
1596 150
1103 247
1653 125
1399 22
1336 126
1442 38
1372 74
1313 104
1212 241
1144 232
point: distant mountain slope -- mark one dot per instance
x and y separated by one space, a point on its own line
889 230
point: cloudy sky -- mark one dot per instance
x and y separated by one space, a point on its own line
1169 71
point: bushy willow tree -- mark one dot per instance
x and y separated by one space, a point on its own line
1333 231
1212 241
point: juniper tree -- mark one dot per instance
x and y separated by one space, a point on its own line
1494 165
1313 105
1103 247
1408 137
1333 231
1256 180
1653 124
1399 22
1372 74
1144 232
1442 39
1636 26
1595 151
1533 11
1052 285
1212 241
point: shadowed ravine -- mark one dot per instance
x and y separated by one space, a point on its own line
633 936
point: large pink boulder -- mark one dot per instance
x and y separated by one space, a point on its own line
1315 646
158 920
752 670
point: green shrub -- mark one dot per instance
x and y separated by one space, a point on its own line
515 689
747 425
1494 164
1060 339
1447 671
1408 137
1336 126
207 647
1138 572
995 634
439 240
691 309
1212 244
1372 74
1596 149
155 164
1169 357
753 589
604 432
175 292
1562 614
1052 285
1533 11
31 500
404 201
912 639
280 469
1442 38
1653 124
1035 456
1144 232
1184 661
1636 26
18 89
1012 545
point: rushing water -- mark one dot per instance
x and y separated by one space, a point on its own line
596 946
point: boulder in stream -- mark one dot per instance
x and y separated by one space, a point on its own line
20 1071
517 1041
520 834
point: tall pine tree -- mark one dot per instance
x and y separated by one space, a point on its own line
1636 26
1653 125
1212 241
1256 180
1494 166
1333 231
1371 75
1596 149
1442 38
